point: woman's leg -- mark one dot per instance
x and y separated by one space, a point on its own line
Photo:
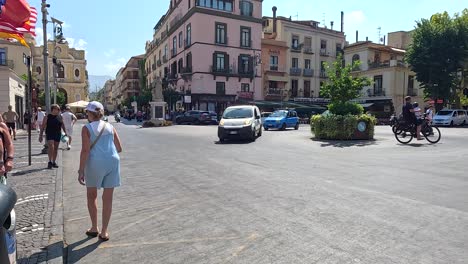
50 150
56 146
107 197
92 208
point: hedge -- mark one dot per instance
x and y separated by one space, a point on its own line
342 127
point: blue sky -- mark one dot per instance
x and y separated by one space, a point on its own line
113 31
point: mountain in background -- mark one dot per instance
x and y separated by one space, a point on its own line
96 82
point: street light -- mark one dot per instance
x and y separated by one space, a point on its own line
27 60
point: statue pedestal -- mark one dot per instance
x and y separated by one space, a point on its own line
158 112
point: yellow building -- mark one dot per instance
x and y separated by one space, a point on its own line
391 76
70 70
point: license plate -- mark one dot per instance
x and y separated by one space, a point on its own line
233 132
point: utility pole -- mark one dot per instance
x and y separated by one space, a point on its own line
45 53
28 61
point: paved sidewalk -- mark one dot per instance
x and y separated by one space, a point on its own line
38 210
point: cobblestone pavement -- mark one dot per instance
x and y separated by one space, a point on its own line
35 187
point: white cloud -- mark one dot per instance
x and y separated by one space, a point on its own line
79 45
354 19
40 36
113 66
109 53
65 25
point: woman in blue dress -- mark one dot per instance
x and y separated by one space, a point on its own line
99 166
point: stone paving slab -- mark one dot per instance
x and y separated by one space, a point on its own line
36 187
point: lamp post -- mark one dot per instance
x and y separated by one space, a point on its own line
28 61
58 36
45 53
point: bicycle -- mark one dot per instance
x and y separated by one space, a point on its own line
404 133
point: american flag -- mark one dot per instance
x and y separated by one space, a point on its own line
30 25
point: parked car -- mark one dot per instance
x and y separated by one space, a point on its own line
214 118
450 117
240 122
264 116
282 119
194 117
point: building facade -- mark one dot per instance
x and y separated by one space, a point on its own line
107 102
391 77
400 39
128 79
310 48
13 74
67 71
209 51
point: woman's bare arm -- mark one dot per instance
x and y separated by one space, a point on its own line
85 148
117 142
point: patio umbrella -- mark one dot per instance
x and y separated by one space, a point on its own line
79 104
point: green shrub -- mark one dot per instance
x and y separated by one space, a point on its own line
341 127
346 108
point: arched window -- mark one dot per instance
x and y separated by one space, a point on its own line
355 58
38 70
61 71
77 73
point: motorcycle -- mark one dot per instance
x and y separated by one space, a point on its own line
117 118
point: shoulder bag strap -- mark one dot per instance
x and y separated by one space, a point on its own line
98 137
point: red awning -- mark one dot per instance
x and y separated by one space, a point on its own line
15 12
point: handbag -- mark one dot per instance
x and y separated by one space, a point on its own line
98 137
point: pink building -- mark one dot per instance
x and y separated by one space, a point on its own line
208 51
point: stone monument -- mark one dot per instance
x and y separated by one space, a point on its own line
158 106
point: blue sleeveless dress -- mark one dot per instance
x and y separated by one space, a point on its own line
103 166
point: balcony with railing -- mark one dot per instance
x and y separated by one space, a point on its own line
308 72
9 63
297 49
376 91
324 53
308 50
387 63
295 71
323 74
187 70
220 71
276 68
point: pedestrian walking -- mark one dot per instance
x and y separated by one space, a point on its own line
6 148
99 167
69 120
52 125
40 115
26 118
11 118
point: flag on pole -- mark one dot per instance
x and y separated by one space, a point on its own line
30 25
8 31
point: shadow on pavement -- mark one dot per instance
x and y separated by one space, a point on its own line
44 255
24 172
74 256
344 143
234 142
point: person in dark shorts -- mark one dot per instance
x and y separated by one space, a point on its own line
11 117
410 117
52 125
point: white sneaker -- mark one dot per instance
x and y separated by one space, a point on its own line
68 147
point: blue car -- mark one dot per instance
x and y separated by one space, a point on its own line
282 119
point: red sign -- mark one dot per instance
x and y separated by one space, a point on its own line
245 95
440 101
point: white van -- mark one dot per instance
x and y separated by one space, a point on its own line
450 117
243 121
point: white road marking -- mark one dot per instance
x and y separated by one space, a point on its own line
32 198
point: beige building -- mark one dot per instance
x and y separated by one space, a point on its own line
391 76
13 74
128 80
70 71
310 47
400 39
107 102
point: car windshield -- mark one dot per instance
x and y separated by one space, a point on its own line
234 113
279 114
444 113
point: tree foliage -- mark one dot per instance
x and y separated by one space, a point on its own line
342 86
61 100
438 54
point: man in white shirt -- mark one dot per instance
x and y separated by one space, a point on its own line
69 120
39 118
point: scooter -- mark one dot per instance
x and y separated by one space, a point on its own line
117 118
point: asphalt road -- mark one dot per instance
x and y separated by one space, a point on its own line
283 199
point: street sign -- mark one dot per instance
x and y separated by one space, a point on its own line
440 101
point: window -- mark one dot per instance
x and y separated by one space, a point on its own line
295 63
338 49
273 84
410 82
323 44
273 63
181 66
322 66
245 37
246 8
295 42
355 58
307 64
188 35
174 46
189 4
294 87
77 73
220 61
225 5
307 89
378 85
165 50
3 56
221 35
245 87
61 71
188 60
181 39
308 42
38 70
220 88
245 64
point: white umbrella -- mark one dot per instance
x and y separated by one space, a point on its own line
79 104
